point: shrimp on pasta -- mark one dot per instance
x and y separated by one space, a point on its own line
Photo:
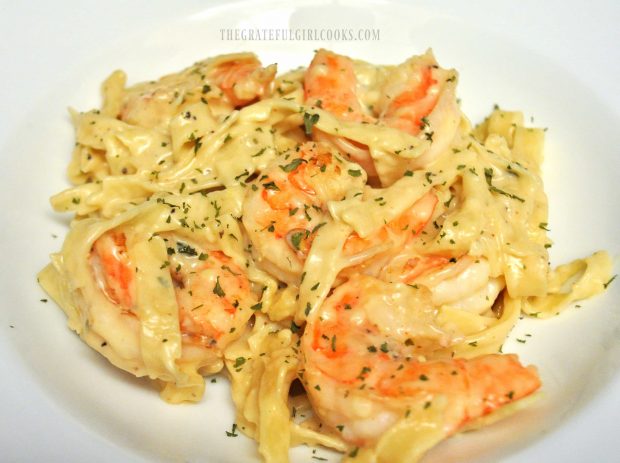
338 240
370 358
416 97
288 204
224 83
213 293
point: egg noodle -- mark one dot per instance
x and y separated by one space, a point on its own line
339 239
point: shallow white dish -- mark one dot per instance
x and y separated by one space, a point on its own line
59 401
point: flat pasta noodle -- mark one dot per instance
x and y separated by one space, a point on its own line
577 280
338 239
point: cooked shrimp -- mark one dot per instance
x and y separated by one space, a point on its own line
394 235
243 80
288 204
330 83
368 361
225 82
417 95
213 294
112 268
461 282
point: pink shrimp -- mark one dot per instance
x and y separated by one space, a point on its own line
113 269
243 80
288 205
416 95
368 361
213 293
330 84
226 82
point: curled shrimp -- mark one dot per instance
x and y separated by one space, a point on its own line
463 282
330 83
224 83
213 294
288 204
370 358
416 97
379 247
112 269
419 97
243 80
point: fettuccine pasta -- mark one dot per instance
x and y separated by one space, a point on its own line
339 239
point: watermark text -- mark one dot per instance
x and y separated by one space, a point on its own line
301 35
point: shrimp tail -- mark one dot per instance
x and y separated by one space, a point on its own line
496 380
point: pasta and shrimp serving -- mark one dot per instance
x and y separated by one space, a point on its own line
338 239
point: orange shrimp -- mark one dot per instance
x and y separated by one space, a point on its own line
213 293
408 110
400 230
224 82
288 204
330 84
243 81
368 361
417 266
416 95
113 269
